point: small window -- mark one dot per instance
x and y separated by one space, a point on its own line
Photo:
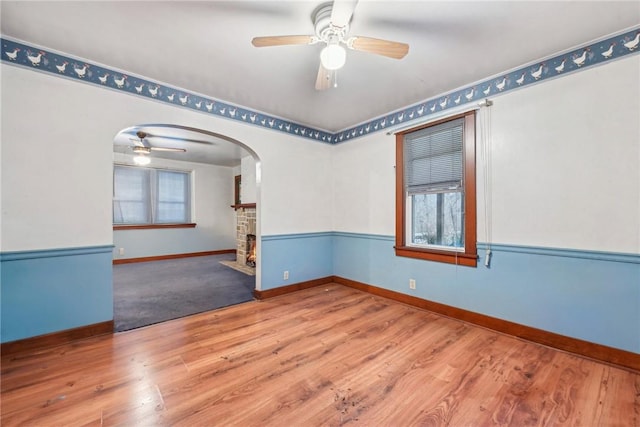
150 196
435 185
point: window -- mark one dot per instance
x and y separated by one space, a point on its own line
436 191
146 196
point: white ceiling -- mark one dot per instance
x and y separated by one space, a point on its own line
201 146
205 47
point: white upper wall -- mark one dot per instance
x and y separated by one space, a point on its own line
565 166
364 185
248 190
56 185
57 141
566 169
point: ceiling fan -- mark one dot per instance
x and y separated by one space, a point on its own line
142 145
142 148
331 23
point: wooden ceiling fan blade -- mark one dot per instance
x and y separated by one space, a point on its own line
395 50
342 11
178 138
324 78
179 150
281 40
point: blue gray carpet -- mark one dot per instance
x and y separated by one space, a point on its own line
151 292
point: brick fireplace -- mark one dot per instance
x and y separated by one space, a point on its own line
245 226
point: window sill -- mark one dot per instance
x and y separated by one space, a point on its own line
468 260
152 226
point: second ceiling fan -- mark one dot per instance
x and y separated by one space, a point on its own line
331 22
142 148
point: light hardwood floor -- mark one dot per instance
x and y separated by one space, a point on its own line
329 355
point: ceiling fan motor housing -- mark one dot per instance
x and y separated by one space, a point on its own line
325 31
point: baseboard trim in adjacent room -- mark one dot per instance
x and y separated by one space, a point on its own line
57 338
270 293
173 256
602 353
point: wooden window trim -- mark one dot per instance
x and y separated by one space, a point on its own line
237 182
151 226
470 256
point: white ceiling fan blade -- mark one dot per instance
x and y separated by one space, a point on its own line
325 78
388 48
342 11
282 40
180 150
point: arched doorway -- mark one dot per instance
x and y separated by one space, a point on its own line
176 223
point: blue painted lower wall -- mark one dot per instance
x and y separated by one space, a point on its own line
167 241
54 290
305 256
586 295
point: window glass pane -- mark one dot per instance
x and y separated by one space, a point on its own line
437 219
150 196
131 195
173 197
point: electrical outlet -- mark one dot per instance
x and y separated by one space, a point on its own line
285 275
121 251
412 284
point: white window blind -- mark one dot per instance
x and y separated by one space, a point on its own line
150 196
131 198
173 197
433 160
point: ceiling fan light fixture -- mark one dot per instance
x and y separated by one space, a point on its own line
142 160
333 56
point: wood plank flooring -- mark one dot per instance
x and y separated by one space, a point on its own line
329 355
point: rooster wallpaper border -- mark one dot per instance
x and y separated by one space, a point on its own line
589 55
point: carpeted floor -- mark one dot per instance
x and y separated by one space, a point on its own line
151 292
